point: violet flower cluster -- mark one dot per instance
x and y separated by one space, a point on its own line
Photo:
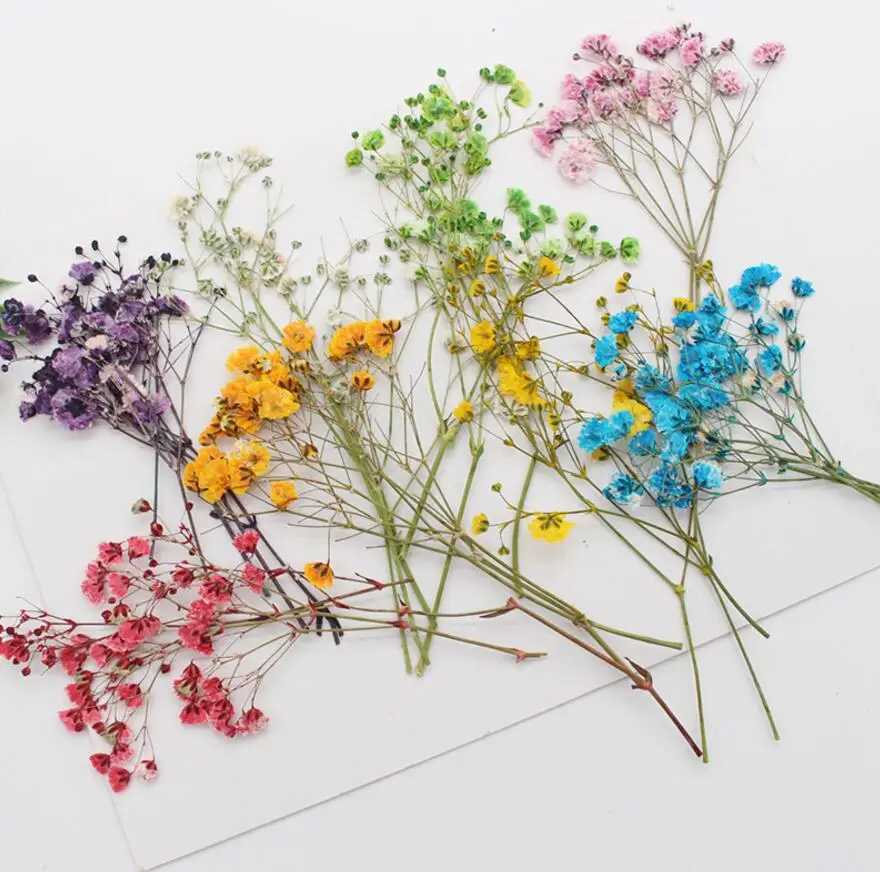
105 326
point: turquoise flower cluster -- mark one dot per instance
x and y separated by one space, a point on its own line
722 361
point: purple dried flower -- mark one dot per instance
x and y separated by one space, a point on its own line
26 410
73 410
36 325
148 410
12 315
7 350
83 272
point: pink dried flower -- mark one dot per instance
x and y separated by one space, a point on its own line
182 576
604 104
691 50
72 719
252 721
254 577
101 762
768 53
110 552
93 584
579 160
118 584
727 83
599 44
192 713
121 753
658 45
642 83
661 111
216 589
100 654
130 694
137 547
572 87
118 778
147 770
247 542
544 138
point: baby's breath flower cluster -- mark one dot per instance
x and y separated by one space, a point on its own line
353 400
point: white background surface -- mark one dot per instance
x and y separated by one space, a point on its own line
107 107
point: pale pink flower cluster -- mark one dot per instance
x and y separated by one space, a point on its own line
691 50
727 83
614 90
599 44
658 45
768 53
579 160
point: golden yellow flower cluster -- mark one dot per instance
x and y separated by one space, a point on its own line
264 389
213 472
377 336
514 382
483 337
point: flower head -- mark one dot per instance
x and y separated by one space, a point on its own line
768 53
319 574
282 493
483 337
298 336
550 527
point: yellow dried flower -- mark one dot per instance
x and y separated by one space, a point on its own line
479 524
346 340
477 288
682 304
530 349
255 454
298 336
621 286
319 574
464 411
243 359
483 337
282 493
550 527
491 266
362 380
274 402
547 267
642 415
379 336
208 474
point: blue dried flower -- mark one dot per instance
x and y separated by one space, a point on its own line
606 350
802 288
623 489
622 322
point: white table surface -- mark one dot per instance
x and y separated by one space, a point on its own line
100 119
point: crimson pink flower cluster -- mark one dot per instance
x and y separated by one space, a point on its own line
146 626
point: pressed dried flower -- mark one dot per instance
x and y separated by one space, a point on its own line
483 337
282 493
550 527
298 336
319 574
479 524
464 411
363 380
